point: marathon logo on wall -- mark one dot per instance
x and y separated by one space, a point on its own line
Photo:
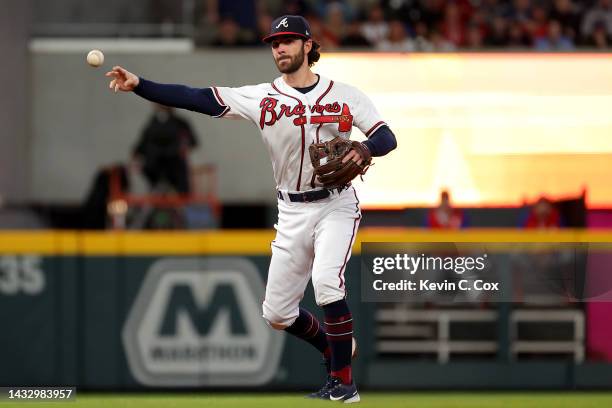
197 322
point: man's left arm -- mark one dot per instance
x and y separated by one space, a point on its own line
381 139
381 142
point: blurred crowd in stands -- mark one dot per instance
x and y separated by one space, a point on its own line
418 25
386 25
542 214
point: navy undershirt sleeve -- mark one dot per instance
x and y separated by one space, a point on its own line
199 100
381 142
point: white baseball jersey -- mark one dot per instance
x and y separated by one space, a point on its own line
290 121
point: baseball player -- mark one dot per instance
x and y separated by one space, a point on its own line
317 221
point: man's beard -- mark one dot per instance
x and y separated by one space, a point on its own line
294 63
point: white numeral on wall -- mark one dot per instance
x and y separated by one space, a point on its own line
21 274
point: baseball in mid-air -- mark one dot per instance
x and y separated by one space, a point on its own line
95 58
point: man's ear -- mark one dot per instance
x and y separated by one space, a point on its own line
307 46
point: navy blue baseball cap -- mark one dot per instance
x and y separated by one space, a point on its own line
289 25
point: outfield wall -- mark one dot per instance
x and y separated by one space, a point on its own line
124 311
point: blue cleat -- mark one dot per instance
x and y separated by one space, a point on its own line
323 393
345 393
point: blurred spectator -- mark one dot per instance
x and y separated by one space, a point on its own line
162 152
325 7
538 26
445 216
166 11
498 35
243 12
335 21
598 38
452 27
567 13
494 8
466 9
375 29
397 40
555 41
517 36
543 215
474 38
354 37
264 22
521 11
479 20
294 7
439 43
408 11
600 13
94 209
432 12
421 39
230 35
322 34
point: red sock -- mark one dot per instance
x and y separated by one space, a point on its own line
345 375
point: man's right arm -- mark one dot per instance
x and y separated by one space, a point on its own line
199 100
179 96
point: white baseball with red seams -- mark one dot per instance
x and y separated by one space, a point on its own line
313 239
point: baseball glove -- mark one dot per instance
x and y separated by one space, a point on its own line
326 158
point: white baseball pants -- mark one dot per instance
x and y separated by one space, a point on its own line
313 239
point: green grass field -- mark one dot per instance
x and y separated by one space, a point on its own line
368 399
